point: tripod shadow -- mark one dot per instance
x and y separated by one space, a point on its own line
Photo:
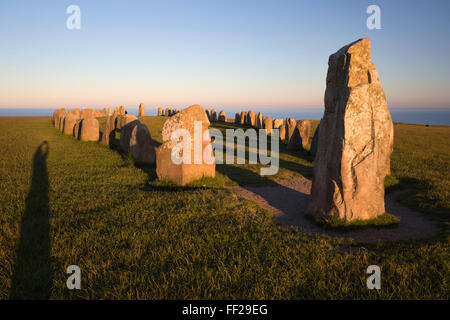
32 278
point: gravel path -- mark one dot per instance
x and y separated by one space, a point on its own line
289 202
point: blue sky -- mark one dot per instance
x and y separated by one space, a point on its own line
223 53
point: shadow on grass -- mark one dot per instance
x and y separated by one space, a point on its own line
416 194
32 278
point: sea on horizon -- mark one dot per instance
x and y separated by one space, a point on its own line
413 116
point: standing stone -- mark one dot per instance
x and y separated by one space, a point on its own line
141 110
243 118
61 122
107 130
300 137
277 123
89 129
77 129
290 128
141 145
237 118
122 110
127 124
56 117
208 114
213 115
160 111
185 172
283 132
110 111
222 116
251 118
259 121
69 123
315 142
267 124
355 141
167 112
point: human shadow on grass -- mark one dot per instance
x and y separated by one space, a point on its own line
32 277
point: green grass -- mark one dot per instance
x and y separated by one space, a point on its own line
385 220
138 238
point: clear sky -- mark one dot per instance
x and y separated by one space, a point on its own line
218 53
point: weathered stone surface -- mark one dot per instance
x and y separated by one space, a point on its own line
107 130
61 122
69 123
283 132
141 145
259 121
290 128
355 141
127 124
167 112
77 129
89 129
315 142
141 112
222 116
122 110
277 123
237 117
184 173
56 117
267 124
243 118
300 137
160 111
213 115
251 118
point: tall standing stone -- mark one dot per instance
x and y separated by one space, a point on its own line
222 116
355 141
259 121
243 118
69 123
300 137
213 115
57 115
267 124
290 128
141 145
186 172
122 110
237 117
251 118
160 111
141 110
107 130
277 123
127 124
283 132
89 129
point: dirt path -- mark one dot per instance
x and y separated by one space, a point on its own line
289 202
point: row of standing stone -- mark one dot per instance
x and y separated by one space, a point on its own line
295 133
135 137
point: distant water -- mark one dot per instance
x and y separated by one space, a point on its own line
419 116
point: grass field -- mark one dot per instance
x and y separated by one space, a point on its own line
68 202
